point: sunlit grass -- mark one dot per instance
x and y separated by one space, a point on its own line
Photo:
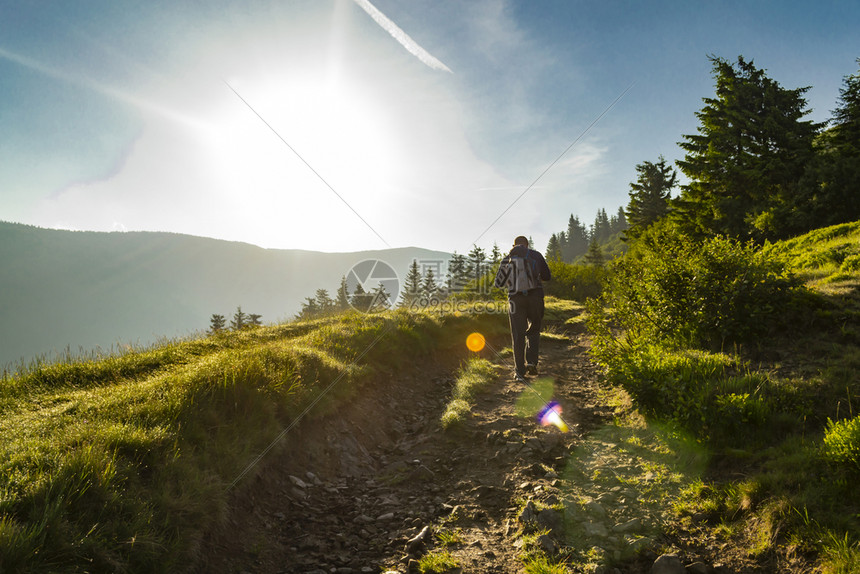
437 562
121 463
473 377
780 411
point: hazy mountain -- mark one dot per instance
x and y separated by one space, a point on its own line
84 289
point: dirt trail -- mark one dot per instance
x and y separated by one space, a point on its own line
350 491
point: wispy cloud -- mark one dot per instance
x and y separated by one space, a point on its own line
411 45
98 87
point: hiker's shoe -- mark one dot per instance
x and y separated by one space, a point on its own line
531 370
519 378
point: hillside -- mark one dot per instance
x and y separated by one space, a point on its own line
81 290
325 446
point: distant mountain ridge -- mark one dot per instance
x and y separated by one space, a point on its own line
88 289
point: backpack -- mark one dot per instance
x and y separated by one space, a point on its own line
523 274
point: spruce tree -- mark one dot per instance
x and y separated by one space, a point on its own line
379 298
325 304
238 320
255 319
595 255
496 255
746 161
310 309
577 240
361 300
601 230
412 287
458 273
342 300
553 248
649 195
834 196
477 263
217 323
429 288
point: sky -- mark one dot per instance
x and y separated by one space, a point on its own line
347 125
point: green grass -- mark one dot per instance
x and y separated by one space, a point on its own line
121 463
779 411
827 255
540 564
474 375
437 562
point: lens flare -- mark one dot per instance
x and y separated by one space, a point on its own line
551 415
475 342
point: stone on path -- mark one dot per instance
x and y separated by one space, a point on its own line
668 564
551 519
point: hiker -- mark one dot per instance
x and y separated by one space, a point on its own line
522 272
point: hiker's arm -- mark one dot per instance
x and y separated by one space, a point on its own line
545 275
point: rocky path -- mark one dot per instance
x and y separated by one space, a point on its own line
353 492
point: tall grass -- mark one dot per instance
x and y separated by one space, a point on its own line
120 464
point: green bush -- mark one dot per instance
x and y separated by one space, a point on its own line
577 282
842 443
711 395
704 295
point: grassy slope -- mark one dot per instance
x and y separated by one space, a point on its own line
778 414
797 498
118 464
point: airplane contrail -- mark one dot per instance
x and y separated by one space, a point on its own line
401 36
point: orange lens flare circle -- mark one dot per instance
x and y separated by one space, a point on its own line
475 342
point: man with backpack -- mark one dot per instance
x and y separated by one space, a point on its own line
522 272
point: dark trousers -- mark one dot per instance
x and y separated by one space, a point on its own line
526 315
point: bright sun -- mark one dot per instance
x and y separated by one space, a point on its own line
325 130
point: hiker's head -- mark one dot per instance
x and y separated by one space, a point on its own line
521 240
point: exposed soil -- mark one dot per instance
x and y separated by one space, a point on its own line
349 492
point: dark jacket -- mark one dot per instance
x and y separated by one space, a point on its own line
505 268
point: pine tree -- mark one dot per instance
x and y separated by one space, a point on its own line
748 157
601 230
342 300
595 255
458 273
412 287
254 319
310 309
649 195
429 288
238 320
379 298
361 300
325 304
217 323
496 255
553 248
577 240
834 196
621 223
477 262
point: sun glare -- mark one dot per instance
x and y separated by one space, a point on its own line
330 131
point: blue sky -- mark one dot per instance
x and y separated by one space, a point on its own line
346 134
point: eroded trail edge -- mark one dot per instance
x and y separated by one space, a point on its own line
354 491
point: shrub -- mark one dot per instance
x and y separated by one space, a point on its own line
703 295
577 282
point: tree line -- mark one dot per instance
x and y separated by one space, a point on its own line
579 240
464 275
239 321
757 170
